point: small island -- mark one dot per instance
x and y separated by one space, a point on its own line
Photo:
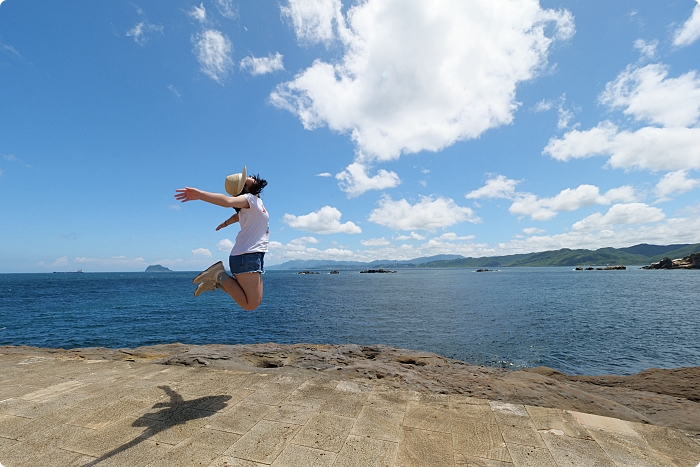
376 271
689 262
157 268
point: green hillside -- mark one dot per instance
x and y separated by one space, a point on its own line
567 257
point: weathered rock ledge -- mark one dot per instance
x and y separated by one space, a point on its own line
689 262
662 397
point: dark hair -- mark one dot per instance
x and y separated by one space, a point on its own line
257 185
255 188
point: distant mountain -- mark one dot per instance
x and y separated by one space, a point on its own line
634 255
157 268
567 257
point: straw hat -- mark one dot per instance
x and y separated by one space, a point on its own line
235 183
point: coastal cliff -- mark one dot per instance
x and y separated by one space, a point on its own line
688 262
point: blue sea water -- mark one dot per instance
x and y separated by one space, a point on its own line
579 322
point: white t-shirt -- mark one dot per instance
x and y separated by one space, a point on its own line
255 231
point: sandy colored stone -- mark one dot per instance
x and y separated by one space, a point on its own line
480 462
303 456
378 424
557 419
575 452
366 452
629 450
671 443
431 417
325 431
603 423
529 456
347 404
420 448
264 442
228 461
271 394
478 438
296 414
238 419
201 449
516 425
138 455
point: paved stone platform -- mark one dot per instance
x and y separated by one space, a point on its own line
67 412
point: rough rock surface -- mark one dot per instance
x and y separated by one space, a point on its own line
689 262
662 397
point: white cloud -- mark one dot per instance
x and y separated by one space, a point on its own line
142 30
203 252
647 148
411 236
212 49
417 75
227 8
675 182
354 180
690 31
9 50
542 209
224 245
304 241
495 187
262 65
647 94
324 174
173 90
533 230
430 213
324 221
647 50
453 237
620 214
198 12
313 19
375 242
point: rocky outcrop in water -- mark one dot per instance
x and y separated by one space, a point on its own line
689 262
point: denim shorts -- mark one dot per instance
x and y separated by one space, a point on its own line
247 262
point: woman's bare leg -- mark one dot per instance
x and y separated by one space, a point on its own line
246 289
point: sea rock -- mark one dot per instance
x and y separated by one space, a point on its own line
157 268
689 262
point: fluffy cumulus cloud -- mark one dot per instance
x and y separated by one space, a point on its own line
542 209
375 242
690 31
224 245
142 31
676 182
648 94
198 13
411 236
202 252
671 108
496 187
262 65
354 180
324 221
430 213
212 49
416 75
646 49
227 9
620 214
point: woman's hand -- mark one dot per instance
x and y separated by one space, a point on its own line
221 226
188 194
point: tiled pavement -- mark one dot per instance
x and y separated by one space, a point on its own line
101 413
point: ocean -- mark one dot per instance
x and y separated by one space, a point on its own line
578 322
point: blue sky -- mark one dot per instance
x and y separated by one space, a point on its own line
386 129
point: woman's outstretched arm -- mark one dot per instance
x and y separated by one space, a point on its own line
231 220
219 199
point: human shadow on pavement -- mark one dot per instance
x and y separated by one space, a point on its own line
177 411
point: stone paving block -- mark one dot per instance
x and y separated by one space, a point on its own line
354 386
303 456
238 419
480 462
47 433
516 425
102 416
315 388
8 391
55 458
574 452
97 442
264 442
183 424
29 409
311 403
671 443
366 452
389 398
271 394
348 404
50 392
378 424
11 425
420 448
138 455
557 419
297 414
460 399
478 438
529 456
629 450
228 461
325 431
604 423
474 411
8 452
432 416
201 449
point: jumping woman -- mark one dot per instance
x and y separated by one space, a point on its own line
246 258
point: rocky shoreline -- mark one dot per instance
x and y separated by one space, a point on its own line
661 397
